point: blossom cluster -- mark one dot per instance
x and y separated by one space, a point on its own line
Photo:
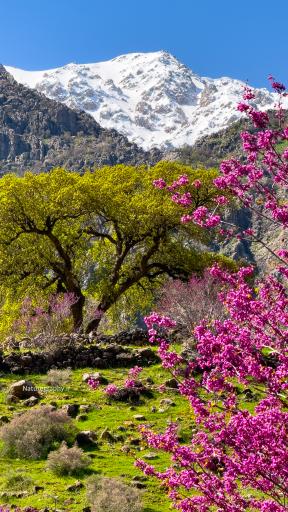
258 182
232 448
237 458
132 381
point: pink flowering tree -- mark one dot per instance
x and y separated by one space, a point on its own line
190 302
237 459
50 316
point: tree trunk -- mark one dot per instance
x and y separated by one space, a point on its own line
101 309
93 325
77 312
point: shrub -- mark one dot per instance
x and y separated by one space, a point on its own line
32 434
189 303
18 482
67 461
47 316
112 495
58 377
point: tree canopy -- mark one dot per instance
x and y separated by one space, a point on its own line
98 235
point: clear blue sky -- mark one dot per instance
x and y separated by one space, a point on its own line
246 39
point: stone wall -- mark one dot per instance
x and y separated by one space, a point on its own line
102 352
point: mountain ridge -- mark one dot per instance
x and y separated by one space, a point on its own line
152 98
38 133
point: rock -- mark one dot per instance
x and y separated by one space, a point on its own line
96 376
138 485
75 487
85 408
4 419
139 417
139 478
39 133
107 436
171 383
136 441
150 456
71 409
23 389
30 402
86 509
82 417
86 438
38 488
147 356
153 408
167 402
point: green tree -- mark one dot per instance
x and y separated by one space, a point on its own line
97 235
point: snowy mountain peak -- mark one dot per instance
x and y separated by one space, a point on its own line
152 98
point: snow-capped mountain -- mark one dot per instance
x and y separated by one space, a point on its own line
152 98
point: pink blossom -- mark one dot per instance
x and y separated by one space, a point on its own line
111 389
160 183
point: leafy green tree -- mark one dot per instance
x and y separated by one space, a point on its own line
98 235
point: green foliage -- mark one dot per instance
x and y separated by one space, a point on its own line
101 236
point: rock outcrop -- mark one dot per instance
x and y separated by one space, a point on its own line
37 133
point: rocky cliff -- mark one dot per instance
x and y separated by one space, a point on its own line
38 133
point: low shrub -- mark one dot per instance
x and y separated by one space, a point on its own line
58 377
17 482
34 433
67 461
112 495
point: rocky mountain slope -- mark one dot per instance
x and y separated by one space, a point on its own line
212 149
151 98
38 133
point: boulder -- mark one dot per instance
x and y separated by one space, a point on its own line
96 376
71 409
75 487
30 402
107 436
171 383
86 438
23 389
167 402
82 417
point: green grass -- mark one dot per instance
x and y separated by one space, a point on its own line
109 459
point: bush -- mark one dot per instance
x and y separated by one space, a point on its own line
58 377
189 303
112 495
67 461
33 434
18 482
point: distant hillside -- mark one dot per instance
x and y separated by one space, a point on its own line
210 150
38 133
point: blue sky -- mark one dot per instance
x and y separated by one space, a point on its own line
238 38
